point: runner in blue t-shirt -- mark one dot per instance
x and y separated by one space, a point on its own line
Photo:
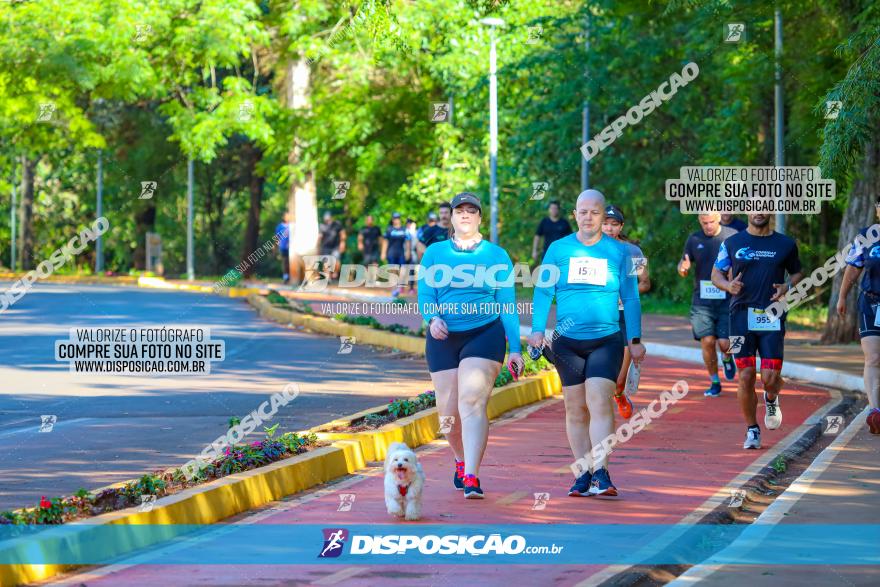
282 231
587 349
758 259
864 259
467 296
710 310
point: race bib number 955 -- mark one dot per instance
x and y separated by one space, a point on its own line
588 270
760 321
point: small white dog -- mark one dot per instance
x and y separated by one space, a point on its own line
404 480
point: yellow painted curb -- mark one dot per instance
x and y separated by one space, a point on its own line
206 504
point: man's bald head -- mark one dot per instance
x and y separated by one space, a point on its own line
590 212
591 196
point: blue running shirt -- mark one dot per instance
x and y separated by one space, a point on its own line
591 279
469 289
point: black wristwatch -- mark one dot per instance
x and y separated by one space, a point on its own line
636 340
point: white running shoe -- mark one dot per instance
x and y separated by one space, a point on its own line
753 438
773 415
632 379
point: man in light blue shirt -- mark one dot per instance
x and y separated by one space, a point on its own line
594 272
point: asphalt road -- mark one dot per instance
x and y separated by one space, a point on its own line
112 428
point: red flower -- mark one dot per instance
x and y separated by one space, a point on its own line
45 503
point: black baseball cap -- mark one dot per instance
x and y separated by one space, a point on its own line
466 198
614 213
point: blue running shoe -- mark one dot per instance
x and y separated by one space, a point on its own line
714 390
729 369
581 486
601 484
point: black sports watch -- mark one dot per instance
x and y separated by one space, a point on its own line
636 340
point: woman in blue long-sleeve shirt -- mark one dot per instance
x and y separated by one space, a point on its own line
466 295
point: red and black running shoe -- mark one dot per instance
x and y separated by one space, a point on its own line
458 478
472 487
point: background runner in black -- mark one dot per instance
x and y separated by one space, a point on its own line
368 241
331 240
710 312
438 232
552 228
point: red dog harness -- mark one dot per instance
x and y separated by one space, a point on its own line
402 489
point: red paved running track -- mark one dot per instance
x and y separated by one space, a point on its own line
663 473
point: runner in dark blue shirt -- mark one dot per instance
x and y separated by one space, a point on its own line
710 313
757 259
864 260
395 246
282 231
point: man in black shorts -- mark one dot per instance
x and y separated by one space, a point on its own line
552 228
710 310
368 241
758 258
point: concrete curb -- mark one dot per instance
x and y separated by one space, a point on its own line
804 372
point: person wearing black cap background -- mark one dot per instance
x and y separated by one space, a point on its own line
438 232
469 317
613 227
552 228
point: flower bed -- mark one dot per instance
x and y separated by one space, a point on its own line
84 504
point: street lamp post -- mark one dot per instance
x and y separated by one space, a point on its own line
778 110
493 23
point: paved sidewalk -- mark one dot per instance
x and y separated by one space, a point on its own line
842 487
664 473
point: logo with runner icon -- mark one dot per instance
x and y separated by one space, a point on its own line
736 344
832 424
334 540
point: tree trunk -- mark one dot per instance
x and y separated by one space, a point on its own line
26 213
215 219
302 202
255 187
859 213
144 222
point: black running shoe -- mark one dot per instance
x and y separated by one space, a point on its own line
601 484
581 486
458 477
472 487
